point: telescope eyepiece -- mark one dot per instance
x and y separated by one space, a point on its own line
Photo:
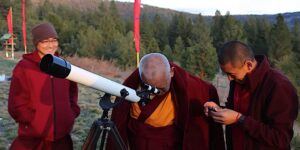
55 66
150 88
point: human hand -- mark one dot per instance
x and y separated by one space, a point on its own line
225 116
210 106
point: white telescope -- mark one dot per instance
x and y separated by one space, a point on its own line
60 68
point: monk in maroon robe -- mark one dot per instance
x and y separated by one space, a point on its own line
262 103
174 118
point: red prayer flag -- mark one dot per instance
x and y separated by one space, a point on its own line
136 30
10 23
24 25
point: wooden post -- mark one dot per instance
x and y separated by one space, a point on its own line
6 48
12 47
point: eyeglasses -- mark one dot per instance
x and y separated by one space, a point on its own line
52 41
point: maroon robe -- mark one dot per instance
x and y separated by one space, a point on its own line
44 107
191 129
272 110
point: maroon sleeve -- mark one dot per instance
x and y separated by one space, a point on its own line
280 114
19 103
120 114
216 134
74 98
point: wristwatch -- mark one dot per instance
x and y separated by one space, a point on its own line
241 119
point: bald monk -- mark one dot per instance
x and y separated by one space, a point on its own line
174 118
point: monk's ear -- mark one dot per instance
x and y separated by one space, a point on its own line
250 65
172 71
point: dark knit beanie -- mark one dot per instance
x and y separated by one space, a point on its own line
42 32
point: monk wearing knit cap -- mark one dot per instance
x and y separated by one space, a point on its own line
45 107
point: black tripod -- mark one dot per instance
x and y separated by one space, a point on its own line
103 126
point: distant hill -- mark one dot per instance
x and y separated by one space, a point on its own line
126 10
289 17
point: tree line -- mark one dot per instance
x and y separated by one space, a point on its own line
189 42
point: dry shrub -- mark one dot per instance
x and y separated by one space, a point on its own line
97 66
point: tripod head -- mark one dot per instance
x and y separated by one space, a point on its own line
145 93
105 101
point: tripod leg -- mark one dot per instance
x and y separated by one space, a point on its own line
92 138
116 136
103 139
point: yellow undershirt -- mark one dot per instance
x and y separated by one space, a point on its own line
162 116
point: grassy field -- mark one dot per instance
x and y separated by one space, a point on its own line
88 101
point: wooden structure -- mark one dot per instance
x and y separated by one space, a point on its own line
9 47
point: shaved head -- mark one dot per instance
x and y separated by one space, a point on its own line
235 52
154 62
236 59
154 69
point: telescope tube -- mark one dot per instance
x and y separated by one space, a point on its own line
61 68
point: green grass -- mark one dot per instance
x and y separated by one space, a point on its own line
7 66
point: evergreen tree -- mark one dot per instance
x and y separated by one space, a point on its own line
288 65
225 29
188 60
90 42
46 8
280 45
31 20
2 25
216 29
173 31
296 53
184 27
4 7
257 33
126 58
160 31
232 29
128 25
167 51
203 49
296 40
95 18
152 46
261 43
251 32
179 48
114 13
146 31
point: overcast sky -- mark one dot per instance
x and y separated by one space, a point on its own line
208 7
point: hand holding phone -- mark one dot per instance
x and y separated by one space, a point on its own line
211 109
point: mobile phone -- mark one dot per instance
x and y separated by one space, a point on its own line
211 109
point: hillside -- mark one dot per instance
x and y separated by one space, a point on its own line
289 17
126 10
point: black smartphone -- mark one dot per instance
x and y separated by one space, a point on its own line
211 109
